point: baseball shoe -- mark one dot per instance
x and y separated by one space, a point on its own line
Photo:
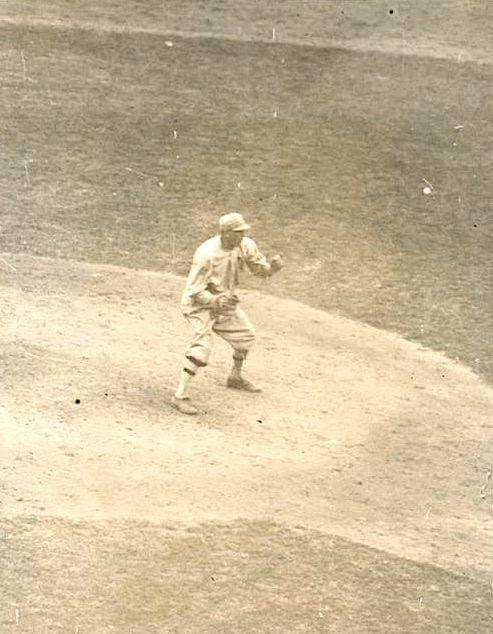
241 384
184 406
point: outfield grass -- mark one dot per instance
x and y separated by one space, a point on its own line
324 151
458 29
62 576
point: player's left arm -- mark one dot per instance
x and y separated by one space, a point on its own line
257 262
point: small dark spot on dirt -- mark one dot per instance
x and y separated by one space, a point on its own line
475 225
106 393
359 482
77 401
391 11
259 421
212 579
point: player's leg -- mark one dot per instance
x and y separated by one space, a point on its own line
237 330
196 357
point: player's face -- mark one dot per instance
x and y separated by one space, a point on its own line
232 239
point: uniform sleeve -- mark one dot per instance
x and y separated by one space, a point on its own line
256 261
198 279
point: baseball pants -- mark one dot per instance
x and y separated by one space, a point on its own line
236 329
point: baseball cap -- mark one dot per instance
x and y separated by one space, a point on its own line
233 222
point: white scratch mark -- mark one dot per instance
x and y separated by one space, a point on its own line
144 175
276 113
24 68
403 51
239 185
26 171
175 134
428 183
17 616
458 127
173 247
273 33
420 602
169 43
130 169
12 268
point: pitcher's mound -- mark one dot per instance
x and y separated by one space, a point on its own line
357 432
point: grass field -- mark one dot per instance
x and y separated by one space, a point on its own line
450 29
118 148
243 577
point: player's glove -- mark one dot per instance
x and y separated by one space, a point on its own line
224 304
276 263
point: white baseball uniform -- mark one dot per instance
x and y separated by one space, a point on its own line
216 270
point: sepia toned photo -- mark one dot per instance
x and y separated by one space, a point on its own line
247 316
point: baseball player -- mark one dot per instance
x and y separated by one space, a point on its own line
211 306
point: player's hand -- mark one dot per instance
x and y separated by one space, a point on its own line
225 304
276 263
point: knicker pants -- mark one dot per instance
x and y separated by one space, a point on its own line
236 329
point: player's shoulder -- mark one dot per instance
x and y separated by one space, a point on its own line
207 248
